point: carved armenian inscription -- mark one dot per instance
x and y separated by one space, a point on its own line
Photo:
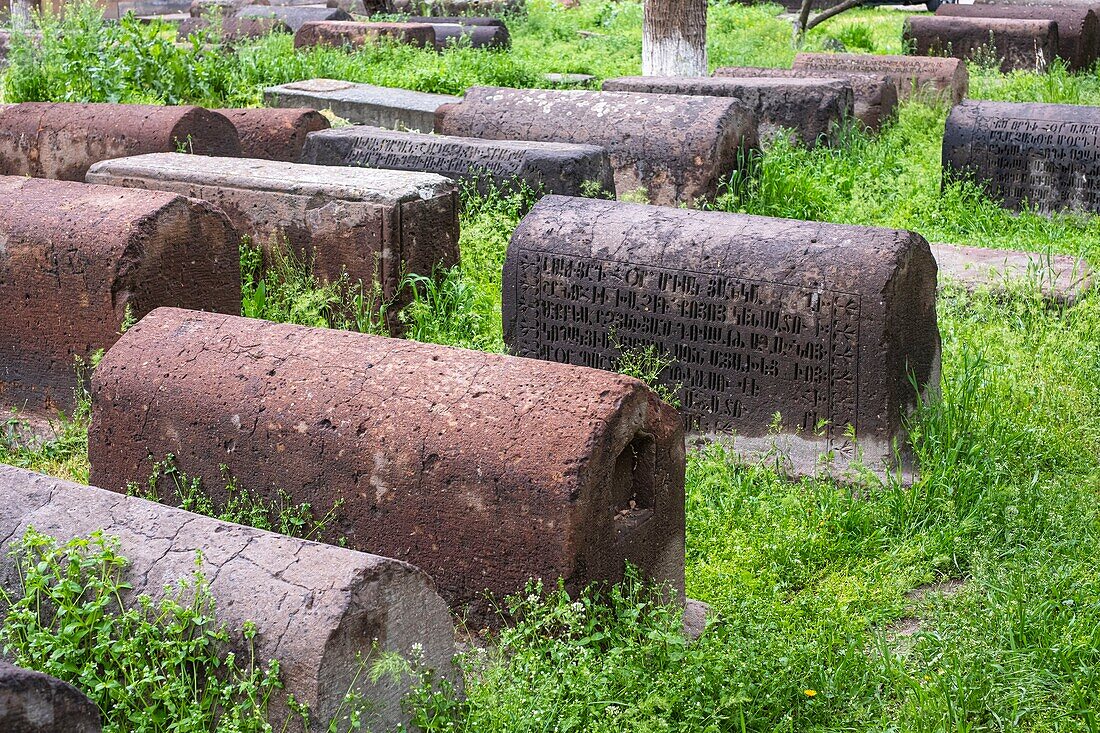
742 350
442 157
1049 163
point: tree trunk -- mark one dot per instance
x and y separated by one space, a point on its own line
674 38
21 14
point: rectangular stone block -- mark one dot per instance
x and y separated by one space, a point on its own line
293 17
1046 156
274 134
1078 27
1027 45
376 225
678 148
339 33
316 608
875 97
1061 278
363 104
475 35
31 702
820 323
543 167
456 7
483 469
63 140
77 260
813 108
945 78
232 29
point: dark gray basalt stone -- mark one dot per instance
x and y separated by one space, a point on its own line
821 323
1047 155
293 17
920 76
543 167
32 702
1012 43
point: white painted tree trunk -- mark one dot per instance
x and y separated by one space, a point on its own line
674 38
21 14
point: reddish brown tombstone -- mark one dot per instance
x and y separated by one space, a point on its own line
482 469
913 75
76 261
233 29
1012 43
677 148
62 141
1078 26
823 324
876 96
350 33
274 134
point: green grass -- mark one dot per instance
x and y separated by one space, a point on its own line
831 607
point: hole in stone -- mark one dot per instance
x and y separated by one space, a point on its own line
632 486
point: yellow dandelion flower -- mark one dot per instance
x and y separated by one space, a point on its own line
810 693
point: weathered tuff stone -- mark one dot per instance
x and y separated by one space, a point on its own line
477 36
350 33
274 134
459 19
63 140
31 702
1078 26
293 17
1060 278
816 322
455 7
676 147
913 75
363 104
75 260
543 167
1043 155
315 607
875 97
482 469
812 108
226 8
376 225
233 29
1015 44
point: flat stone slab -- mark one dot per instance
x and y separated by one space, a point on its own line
1028 45
875 96
1078 26
484 470
316 608
543 167
353 34
294 17
31 702
943 78
363 104
675 147
377 225
813 108
274 134
63 140
76 261
1061 278
820 323
1046 156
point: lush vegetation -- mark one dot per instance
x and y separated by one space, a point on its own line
967 602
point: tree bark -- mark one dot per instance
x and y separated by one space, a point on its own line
674 38
21 14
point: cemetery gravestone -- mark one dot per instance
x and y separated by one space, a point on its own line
1012 43
350 33
1061 278
913 75
543 167
63 140
78 261
875 97
483 469
1078 27
820 323
363 104
675 147
477 36
376 225
291 16
1046 156
274 134
233 29
31 702
317 609
813 108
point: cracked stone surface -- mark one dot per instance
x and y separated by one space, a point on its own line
274 134
482 469
63 140
377 225
75 258
918 76
676 147
31 702
315 606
